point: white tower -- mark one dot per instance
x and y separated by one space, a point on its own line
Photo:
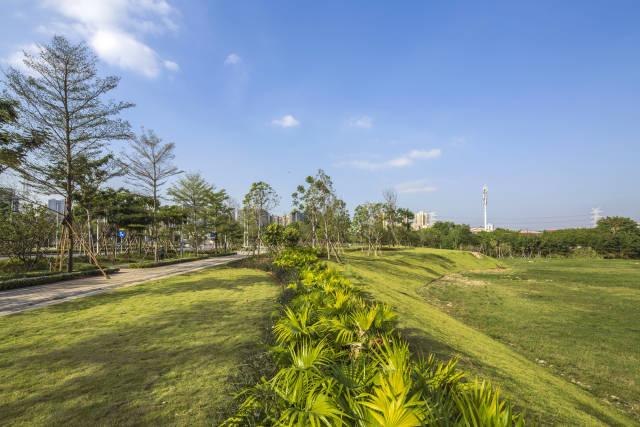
596 215
484 203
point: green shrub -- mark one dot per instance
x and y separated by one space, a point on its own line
583 252
51 278
339 361
296 258
15 266
42 273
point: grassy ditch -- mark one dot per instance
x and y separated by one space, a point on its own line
399 278
577 318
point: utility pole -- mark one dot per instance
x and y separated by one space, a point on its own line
596 214
484 203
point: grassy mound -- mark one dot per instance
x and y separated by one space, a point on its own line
579 315
398 278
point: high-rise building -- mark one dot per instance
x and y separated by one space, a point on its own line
56 205
421 220
298 217
283 220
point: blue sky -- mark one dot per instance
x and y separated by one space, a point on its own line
540 101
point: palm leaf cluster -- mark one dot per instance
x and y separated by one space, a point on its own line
341 362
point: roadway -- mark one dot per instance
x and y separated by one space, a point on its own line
22 299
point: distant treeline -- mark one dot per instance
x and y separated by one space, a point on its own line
613 237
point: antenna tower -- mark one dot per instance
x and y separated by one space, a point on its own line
596 214
484 203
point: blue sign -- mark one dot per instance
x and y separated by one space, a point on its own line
122 233
212 235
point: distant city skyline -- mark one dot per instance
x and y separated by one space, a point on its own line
539 101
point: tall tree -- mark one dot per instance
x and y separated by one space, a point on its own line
309 201
218 212
390 197
320 203
260 199
368 221
150 166
62 96
194 194
405 216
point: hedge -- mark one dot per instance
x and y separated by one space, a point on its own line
51 278
174 261
11 276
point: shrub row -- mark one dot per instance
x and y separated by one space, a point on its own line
175 260
51 278
340 361
12 276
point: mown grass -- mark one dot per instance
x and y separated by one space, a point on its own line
578 318
398 278
153 354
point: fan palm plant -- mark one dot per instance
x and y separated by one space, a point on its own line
342 363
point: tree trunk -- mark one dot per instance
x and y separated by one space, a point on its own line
68 225
155 225
326 238
195 229
259 243
90 235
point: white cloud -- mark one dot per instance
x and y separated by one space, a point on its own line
411 187
232 59
361 122
113 28
287 121
170 65
424 154
16 58
397 162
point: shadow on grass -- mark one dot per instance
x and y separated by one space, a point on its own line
139 369
197 282
383 265
423 343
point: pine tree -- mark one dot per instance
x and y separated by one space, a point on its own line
62 97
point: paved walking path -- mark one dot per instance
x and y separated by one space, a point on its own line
22 299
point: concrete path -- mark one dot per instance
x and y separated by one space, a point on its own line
22 299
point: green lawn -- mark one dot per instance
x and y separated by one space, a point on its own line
152 354
581 318
402 277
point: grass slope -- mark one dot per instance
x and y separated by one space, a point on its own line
398 277
581 317
153 354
